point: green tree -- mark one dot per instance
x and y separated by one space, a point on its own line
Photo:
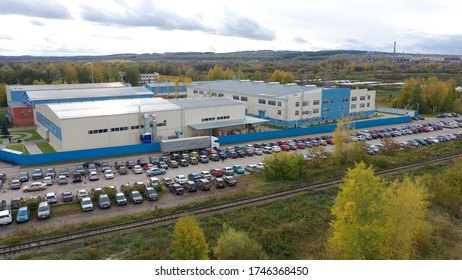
346 150
132 74
257 76
237 245
216 73
374 220
189 241
3 101
4 125
284 166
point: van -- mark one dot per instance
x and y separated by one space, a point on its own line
43 210
267 150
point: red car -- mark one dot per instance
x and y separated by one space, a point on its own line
280 142
148 166
330 141
300 145
217 172
285 148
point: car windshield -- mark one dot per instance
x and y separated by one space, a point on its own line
43 208
120 196
22 212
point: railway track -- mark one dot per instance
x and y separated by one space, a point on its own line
6 251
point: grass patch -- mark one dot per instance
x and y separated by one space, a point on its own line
45 148
19 148
24 135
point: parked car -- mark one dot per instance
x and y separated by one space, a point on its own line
5 217
137 169
48 181
203 184
108 174
155 171
228 171
162 165
120 198
50 172
51 197
183 162
251 168
154 181
80 169
118 164
35 186
23 214
136 197
206 174
23 176
103 201
67 196
172 163
229 180
2 204
76 177
218 182
216 172
153 160
180 179
148 166
130 164
122 170
62 180
15 202
93 176
43 210
193 160
15 184
176 189
37 174
105 166
190 186
259 165
238 169
203 159
86 204
151 194
194 176
81 194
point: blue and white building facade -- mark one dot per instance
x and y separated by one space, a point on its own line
290 105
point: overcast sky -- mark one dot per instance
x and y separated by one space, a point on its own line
94 27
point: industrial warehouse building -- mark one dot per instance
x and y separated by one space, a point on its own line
22 100
96 124
290 105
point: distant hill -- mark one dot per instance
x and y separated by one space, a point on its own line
260 55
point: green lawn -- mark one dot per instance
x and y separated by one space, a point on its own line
35 135
19 148
45 148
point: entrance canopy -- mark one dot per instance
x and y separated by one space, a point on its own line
227 123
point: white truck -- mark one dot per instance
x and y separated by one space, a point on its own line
189 143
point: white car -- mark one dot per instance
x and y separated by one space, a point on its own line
81 194
5 217
180 179
206 175
35 186
93 176
259 165
154 181
86 204
108 174
51 197
137 169
62 180
48 180
276 149
251 168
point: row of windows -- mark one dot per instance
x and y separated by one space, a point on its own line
362 105
123 128
362 97
213 118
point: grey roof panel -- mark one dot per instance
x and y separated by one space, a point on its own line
64 86
253 88
87 93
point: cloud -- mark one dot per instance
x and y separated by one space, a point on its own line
442 44
145 14
37 23
6 37
50 9
300 40
240 26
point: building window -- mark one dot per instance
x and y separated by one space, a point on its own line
195 91
345 100
279 103
297 104
326 110
361 105
316 111
235 97
362 98
368 97
354 98
279 112
316 102
368 105
272 102
325 101
243 98
305 112
297 112
306 103
353 106
214 94
262 101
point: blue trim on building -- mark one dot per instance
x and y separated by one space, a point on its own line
17 95
335 104
52 127
162 89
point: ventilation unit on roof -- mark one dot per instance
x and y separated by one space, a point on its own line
273 83
258 81
291 84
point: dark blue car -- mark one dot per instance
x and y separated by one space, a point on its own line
194 176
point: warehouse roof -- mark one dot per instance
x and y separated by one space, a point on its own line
87 93
253 88
205 102
64 86
71 110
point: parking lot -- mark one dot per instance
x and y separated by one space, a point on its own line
168 199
